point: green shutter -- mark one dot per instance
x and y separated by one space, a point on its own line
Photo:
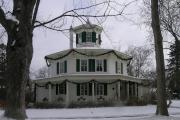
77 65
105 88
99 39
90 89
57 89
84 36
121 68
77 38
57 68
78 89
137 89
91 63
94 37
105 65
65 87
65 66
116 67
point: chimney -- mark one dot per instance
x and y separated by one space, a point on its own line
71 37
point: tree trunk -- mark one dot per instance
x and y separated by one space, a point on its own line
160 69
19 56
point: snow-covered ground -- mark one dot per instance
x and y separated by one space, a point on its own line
103 113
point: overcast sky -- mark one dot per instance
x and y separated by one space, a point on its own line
119 33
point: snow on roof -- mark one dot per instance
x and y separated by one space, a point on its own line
88 51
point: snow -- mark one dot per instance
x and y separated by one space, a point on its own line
9 16
103 113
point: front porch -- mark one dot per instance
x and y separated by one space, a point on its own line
83 90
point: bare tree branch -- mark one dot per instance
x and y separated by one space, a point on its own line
35 12
3 20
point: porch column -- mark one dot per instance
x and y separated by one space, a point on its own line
93 91
128 89
119 90
49 92
67 93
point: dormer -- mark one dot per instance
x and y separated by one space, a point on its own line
88 35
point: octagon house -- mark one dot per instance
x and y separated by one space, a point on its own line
88 73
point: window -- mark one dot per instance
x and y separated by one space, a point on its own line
119 67
80 37
99 65
89 37
62 88
91 65
83 65
100 89
62 66
83 89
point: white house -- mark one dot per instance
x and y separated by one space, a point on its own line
88 73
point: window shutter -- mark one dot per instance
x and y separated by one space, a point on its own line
90 89
84 36
57 89
78 89
65 87
91 63
105 65
99 38
105 88
65 66
121 68
94 37
77 65
116 67
137 89
57 68
77 38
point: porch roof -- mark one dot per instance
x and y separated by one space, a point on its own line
89 77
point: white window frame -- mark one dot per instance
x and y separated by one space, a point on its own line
61 67
83 66
88 36
84 89
99 89
99 63
80 37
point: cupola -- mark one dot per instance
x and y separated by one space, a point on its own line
87 35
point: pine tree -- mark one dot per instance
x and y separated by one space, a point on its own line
174 67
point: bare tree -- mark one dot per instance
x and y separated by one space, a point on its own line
19 25
140 62
42 72
160 69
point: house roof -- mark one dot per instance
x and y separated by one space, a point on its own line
106 78
87 26
88 51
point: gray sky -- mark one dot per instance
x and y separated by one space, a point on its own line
121 33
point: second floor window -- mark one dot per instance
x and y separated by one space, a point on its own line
99 65
91 65
61 67
84 65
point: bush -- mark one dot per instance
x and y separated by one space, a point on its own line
47 105
90 104
135 101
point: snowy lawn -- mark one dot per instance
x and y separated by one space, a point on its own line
105 113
